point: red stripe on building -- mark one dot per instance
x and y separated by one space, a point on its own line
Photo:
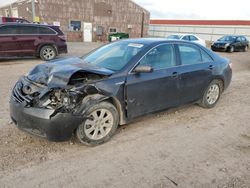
200 22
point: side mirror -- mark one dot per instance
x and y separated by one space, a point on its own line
143 69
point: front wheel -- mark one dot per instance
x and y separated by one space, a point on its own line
246 49
231 49
212 94
100 125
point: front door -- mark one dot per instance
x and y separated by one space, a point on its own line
87 32
150 92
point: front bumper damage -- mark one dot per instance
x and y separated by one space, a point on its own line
30 112
40 122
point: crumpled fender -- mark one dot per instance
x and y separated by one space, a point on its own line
89 101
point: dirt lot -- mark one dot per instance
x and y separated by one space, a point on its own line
183 147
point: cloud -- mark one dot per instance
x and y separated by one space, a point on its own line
6 2
173 15
196 9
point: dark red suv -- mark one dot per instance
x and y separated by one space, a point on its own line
19 39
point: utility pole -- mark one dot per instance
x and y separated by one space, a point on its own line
142 25
33 10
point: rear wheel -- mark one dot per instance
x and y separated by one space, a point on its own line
47 53
100 125
212 94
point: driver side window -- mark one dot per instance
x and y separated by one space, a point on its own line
160 57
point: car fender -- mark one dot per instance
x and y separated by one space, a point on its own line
91 100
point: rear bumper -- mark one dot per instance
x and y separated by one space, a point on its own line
62 49
42 122
227 77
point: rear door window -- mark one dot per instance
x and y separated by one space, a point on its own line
28 30
189 54
46 31
9 30
205 57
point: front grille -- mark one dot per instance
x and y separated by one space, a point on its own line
17 94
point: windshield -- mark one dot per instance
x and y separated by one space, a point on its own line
114 56
174 37
228 38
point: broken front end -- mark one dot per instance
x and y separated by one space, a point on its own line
53 111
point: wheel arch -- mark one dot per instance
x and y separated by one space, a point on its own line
93 99
39 47
221 79
118 106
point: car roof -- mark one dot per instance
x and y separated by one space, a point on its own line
183 34
233 36
25 24
152 41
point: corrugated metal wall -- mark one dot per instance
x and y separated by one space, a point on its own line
208 32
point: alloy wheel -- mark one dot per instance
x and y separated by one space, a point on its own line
48 53
99 124
213 94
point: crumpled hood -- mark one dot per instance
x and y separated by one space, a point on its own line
57 73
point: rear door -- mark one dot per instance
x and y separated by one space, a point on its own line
238 43
195 72
149 92
9 44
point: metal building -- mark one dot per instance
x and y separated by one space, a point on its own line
209 30
85 20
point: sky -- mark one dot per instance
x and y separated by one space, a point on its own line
192 9
198 9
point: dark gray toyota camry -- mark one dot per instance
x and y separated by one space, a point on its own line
91 95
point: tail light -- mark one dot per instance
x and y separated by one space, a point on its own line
63 37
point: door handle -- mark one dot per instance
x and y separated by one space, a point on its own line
211 67
14 38
175 74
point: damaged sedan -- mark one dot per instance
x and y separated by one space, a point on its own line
91 95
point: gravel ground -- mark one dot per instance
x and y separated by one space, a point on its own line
182 147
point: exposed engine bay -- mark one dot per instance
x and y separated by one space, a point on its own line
60 99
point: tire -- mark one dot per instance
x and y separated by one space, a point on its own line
96 130
212 94
231 49
47 53
246 49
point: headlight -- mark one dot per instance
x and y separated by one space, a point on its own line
226 45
